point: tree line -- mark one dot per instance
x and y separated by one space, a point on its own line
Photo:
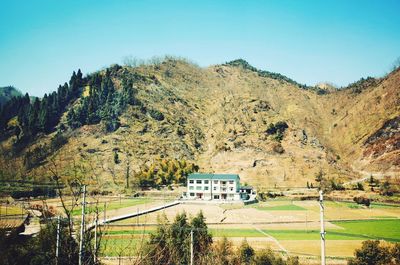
97 100
41 115
165 172
103 102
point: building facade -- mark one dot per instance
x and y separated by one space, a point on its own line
225 187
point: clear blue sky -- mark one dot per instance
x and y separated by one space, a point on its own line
42 42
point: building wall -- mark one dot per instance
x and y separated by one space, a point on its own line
216 189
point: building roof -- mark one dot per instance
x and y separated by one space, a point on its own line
213 176
246 187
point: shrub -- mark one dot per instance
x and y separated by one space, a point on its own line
386 188
336 185
58 141
278 148
362 200
372 252
358 186
116 158
280 127
155 114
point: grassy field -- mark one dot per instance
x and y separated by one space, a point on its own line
388 230
125 246
10 210
11 216
235 233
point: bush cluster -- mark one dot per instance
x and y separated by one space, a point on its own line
362 200
165 172
373 252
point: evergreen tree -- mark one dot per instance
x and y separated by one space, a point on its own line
201 238
43 115
180 239
246 252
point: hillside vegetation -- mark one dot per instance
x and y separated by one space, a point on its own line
8 92
230 118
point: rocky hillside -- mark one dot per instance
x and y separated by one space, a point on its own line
225 118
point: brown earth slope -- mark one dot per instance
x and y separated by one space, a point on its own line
219 117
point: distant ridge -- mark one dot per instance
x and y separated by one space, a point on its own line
8 92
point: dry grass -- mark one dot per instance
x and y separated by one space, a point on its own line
334 248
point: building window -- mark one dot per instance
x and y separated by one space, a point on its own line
216 197
223 182
198 188
231 188
215 188
191 181
223 189
206 188
231 182
206 182
191 194
191 187
215 181
198 181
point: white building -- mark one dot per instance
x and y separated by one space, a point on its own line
213 187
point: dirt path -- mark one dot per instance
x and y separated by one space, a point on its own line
366 175
282 248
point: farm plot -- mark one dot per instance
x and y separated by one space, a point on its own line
11 216
113 205
292 226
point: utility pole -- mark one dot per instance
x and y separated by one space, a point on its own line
306 222
95 238
137 216
105 215
321 205
82 225
191 247
58 240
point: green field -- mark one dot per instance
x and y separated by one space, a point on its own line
11 210
388 230
353 205
129 232
119 246
235 232
113 205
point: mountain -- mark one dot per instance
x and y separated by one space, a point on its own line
229 118
7 92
